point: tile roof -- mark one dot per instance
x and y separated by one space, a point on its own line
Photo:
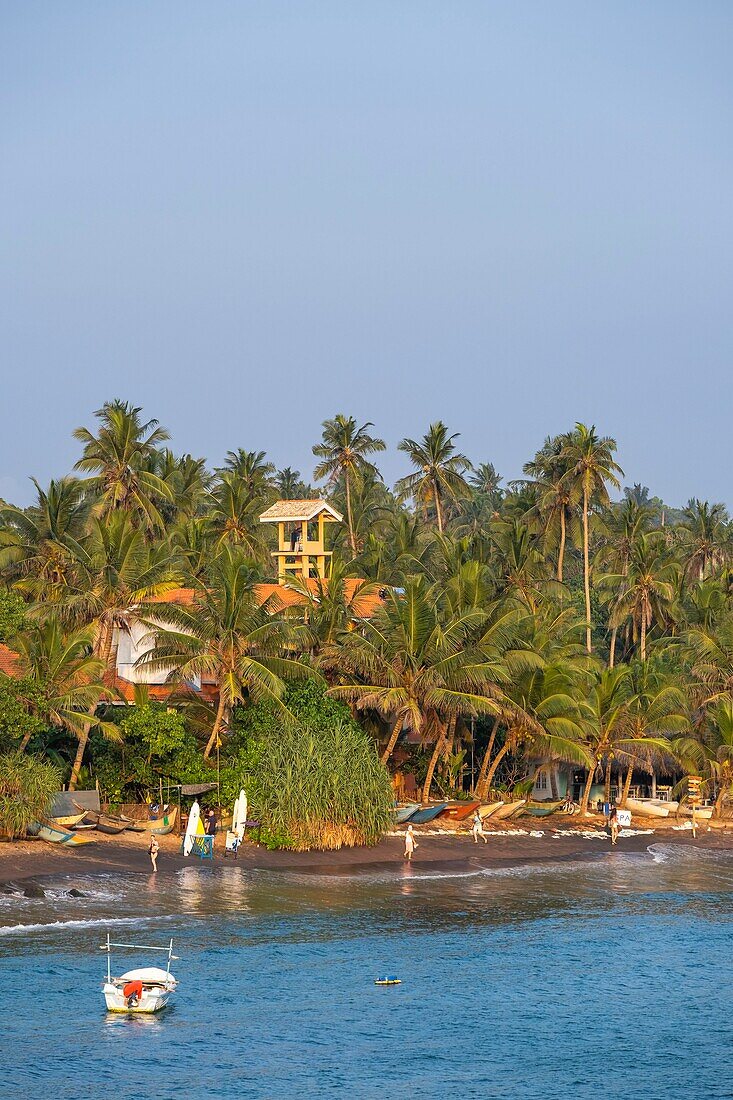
283 510
282 597
9 661
183 596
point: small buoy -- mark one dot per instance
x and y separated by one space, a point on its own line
388 981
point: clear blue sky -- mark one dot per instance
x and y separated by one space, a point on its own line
247 216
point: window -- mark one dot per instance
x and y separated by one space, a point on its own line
541 782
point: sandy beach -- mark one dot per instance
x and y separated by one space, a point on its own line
38 861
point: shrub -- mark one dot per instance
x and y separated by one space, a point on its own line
27 789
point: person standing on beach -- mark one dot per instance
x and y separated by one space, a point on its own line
153 852
410 844
613 823
477 828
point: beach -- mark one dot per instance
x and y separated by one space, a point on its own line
444 849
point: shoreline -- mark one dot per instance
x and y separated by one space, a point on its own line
35 861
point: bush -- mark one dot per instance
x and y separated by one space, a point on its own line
315 783
27 789
12 614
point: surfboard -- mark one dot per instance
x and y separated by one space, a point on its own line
192 828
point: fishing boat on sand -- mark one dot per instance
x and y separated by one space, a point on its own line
542 809
427 813
459 811
57 834
404 813
105 823
163 825
69 821
144 990
702 813
488 808
651 807
509 809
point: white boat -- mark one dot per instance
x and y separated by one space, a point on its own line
651 807
702 813
509 809
145 990
489 808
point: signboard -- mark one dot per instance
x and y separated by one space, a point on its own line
624 818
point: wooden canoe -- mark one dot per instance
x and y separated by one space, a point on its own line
488 809
68 821
57 834
459 811
509 809
161 826
647 807
404 813
427 813
542 809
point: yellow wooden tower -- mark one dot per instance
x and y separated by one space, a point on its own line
301 545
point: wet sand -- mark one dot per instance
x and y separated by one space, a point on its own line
38 861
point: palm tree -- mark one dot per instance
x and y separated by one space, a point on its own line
411 664
70 681
115 574
343 454
710 749
556 498
623 526
34 542
647 590
591 468
289 484
118 457
229 635
233 517
252 467
655 710
706 538
440 470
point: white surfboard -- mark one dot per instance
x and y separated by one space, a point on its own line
191 828
239 817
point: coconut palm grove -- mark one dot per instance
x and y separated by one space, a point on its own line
335 644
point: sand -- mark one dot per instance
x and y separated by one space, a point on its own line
515 844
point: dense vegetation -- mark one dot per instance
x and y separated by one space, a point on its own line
556 618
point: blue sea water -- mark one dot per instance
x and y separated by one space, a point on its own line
603 979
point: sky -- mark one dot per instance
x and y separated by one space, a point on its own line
249 216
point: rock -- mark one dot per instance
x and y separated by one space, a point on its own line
74 893
33 890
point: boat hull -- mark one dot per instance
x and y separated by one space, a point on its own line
428 813
488 809
152 1000
649 808
404 813
509 809
459 811
537 809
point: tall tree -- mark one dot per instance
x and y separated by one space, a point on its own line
440 470
647 590
343 452
591 469
118 458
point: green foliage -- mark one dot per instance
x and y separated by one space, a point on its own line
12 613
18 700
315 783
27 788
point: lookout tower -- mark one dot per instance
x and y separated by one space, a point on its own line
301 545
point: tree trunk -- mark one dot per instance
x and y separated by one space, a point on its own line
438 510
495 764
81 746
218 723
586 790
612 653
643 635
439 744
561 552
586 573
554 794
482 788
607 784
349 518
627 785
392 739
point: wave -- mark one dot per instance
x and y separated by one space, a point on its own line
57 925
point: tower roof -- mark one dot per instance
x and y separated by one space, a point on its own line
286 511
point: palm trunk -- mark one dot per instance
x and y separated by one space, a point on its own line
586 573
440 741
588 784
607 784
627 785
482 787
612 653
24 743
76 768
218 723
495 764
438 510
718 809
392 739
349 517
554 794
643 635
561 552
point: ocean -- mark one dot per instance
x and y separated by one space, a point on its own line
603 979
